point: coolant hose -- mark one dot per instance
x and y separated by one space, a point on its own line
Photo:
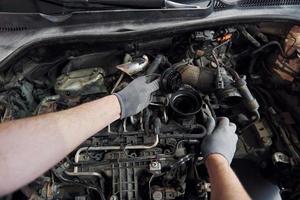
158 61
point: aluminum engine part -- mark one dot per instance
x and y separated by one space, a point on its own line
203 79
135 66
47 105
81 82
263 132
200 77
166 193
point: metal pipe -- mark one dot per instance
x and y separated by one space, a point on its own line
103 148
117 83
135 66
84 174
187 141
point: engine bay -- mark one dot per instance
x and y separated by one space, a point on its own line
246 72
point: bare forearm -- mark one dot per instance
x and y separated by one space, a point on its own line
42 141
225 185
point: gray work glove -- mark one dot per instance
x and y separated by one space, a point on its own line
136 96
222 140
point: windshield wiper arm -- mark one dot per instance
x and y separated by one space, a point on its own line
134 3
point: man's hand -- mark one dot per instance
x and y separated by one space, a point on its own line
222 141
218 149
29 140
136 96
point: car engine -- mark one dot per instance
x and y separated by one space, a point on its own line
246 72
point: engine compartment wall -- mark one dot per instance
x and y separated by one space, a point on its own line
88 55
82 26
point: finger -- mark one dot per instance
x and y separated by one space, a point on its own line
141 78
154 85
232 126
151 77
236 138
223 121
138 81
210 124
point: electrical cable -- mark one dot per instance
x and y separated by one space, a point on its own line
272 43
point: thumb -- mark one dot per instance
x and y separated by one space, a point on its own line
210 124
153 86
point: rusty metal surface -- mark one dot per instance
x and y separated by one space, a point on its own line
292 41
288 67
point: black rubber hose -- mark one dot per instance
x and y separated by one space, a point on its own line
272 43
249 36
147 115
251 66
157 126
260 49
159 60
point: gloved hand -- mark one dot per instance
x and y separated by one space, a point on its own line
136 96
222 140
